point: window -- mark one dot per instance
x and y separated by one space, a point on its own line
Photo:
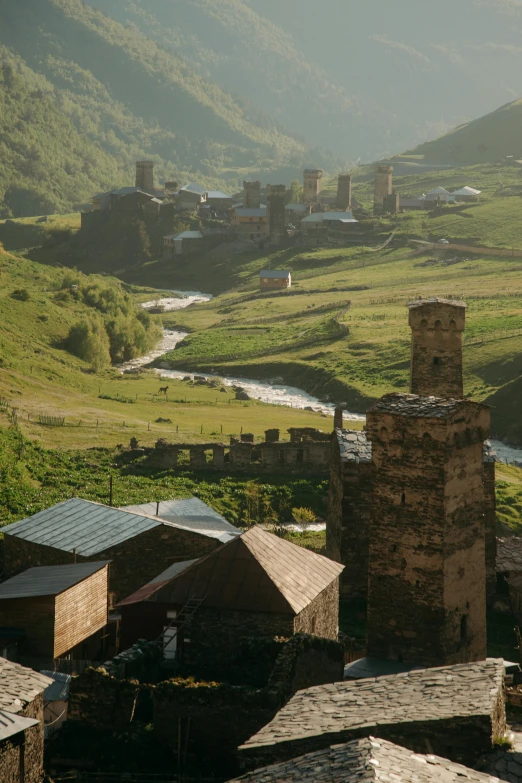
436 361
313 624
464 628
403 499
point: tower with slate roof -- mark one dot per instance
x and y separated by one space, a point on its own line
427 568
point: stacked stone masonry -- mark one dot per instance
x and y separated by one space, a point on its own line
436 349
276 203
459 709
426 589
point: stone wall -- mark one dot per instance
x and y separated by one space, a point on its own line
321 616
100 700
348 521
383 186
276 202
426 600
133 562
10 761
344 192
219 717
490 519
34 741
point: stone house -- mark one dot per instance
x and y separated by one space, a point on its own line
190 197
509 572
182 244
454 711
138 545
21 723
257 585
381 761
348 518
251 222
273 278
318 223
57 608
427 562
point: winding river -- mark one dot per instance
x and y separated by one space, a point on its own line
276 392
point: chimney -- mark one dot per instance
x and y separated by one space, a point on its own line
338 418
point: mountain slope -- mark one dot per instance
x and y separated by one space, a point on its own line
363 79
129 98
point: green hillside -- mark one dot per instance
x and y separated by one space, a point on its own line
490 138
84 97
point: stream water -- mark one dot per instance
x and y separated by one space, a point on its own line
274 392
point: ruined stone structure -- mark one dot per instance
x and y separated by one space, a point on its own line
252 195
437 327
344 192
308 451
383 186
312 185
490 522
276 202
145 175
391 203
348 518
459 709
427 565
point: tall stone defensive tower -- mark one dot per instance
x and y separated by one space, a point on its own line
383 186
344 192
145 175
437 326
252 195
427 585
312 185
276 202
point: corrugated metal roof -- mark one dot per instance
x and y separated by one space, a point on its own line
19 686
466 191
319 217
194 187
82 525
189 235
58 690
145 592
217 194
13 724
47 580
274 274
256 572
244 212
190 514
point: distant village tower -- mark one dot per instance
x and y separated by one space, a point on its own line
344 192
383 186
145 175
437 327
312 179
276 202
252 195
427 572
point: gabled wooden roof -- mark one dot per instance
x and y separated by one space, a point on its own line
257 572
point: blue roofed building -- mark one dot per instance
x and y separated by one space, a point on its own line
139 544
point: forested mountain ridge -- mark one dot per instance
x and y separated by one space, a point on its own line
363 79
111 96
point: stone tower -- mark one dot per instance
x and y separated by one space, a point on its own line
344 192
427 573
312 185
276 202
383 186
437 326
145 175
252 195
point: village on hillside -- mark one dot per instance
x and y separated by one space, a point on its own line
226 643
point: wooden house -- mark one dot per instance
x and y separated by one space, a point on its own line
139 544
56 607
256 585
273 278
21 723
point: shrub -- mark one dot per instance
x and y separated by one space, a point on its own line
88 341
22 294
303 516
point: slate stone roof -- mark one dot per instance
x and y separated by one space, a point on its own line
509 554
366 760
428 694
257 572
424 407
434 300
354 445
47 580
19 686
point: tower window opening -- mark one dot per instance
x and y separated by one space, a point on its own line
463 627
436 361
403 499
